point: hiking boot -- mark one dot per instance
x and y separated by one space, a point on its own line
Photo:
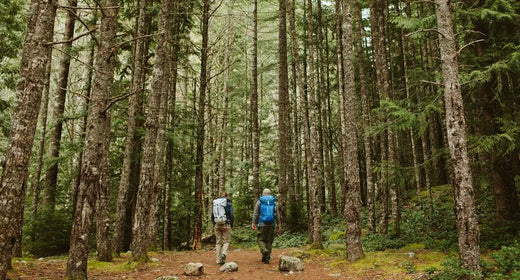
223 259
266 258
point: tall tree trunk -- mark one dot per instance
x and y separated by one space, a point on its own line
254 104
341 89
35 58
366 108
147 193
41 148
349 139
140 50
286 175
98 122
315 171
103 240
51 177
199 160
462 181
377 10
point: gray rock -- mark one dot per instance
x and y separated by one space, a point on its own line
194 269
154 259
290 264
167 278
229 267
411 255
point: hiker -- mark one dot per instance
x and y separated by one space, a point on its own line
265 218
222 218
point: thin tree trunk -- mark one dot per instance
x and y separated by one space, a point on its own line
93 158
286 176
35 58
314 166
199 182
349 138
383 87
365 103
254 104
51 177
103 240
140 50
41 148
462 181
143 228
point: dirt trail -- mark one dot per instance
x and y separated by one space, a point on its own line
172 263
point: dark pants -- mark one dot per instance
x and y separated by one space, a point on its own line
265 237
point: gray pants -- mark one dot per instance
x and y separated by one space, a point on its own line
223 235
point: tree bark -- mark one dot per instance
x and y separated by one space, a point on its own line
94 156
349 138
286 175
143 228
199 159
255 152
315 171
377 10
51 177
103 240
35 58
140 50
462 181
366 116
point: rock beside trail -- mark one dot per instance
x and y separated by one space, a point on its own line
194 269
167 278
229 267
290 264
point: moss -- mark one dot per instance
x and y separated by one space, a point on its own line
118 265
388 262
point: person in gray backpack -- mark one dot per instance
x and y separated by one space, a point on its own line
265 219
222 218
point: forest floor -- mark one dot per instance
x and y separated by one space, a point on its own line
319 264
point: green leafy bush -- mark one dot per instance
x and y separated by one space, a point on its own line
48 233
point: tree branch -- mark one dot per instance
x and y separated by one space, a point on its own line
73 39
424 30
467 45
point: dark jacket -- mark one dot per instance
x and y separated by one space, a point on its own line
229 213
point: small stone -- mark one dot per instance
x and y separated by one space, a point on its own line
167 278
154 259
335 274
291 272
290 264
411 255
194 269
229 267
40 259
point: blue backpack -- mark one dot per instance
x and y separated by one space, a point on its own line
267 205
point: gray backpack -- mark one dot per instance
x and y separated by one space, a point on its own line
219 210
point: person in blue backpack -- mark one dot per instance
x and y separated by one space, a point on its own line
265 219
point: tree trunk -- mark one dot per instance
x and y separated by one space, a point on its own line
314 166
35 58
286 178
147 193
199 160
140 50
254 104
366 108
41 148
94 156
103 240
349 139
377 10
51 177
462 181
